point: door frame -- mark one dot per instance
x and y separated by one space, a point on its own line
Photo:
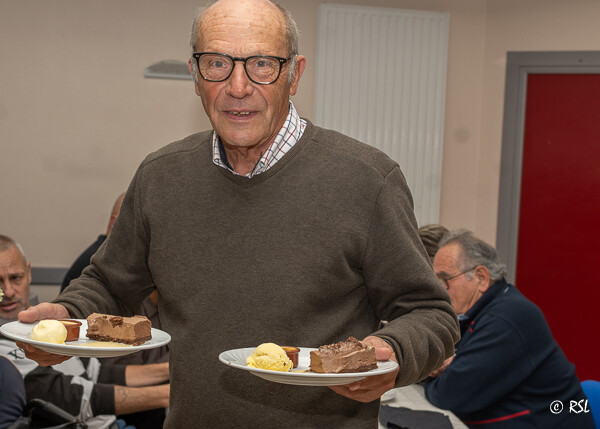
518 67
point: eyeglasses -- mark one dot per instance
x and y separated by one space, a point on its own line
445 280
261 69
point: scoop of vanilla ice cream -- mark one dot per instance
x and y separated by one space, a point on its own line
269 356
49 331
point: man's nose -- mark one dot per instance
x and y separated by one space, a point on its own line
239 85
7 288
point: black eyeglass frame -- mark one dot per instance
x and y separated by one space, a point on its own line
446 280
280 60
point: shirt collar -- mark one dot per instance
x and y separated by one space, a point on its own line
288 136
486 298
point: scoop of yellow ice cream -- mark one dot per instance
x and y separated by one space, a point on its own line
269 356
49 331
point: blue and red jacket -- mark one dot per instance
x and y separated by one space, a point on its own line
508 371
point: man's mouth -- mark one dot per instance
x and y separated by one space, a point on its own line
8 305
240 113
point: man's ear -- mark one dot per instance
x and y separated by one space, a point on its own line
300 65
191 69
483 276
28 272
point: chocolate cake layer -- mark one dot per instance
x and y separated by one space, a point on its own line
343 357
127 330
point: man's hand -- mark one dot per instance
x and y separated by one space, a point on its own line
146 375
371 388
442 368
44 310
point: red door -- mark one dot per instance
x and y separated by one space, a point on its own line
558 256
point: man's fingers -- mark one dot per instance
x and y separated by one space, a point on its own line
368 389
41 311
363 391
41 357
383 353
22 346
29 316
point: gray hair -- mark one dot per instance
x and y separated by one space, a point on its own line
475 251
292 35
6 243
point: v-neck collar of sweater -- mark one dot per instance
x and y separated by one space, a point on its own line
246 182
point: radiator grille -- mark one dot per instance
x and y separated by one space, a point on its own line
381 78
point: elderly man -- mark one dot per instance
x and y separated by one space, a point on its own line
86 389
508 372
267 229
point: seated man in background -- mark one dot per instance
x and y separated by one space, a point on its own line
406 407
84 259
508 370
430 236
93 392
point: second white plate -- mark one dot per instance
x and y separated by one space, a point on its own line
237 358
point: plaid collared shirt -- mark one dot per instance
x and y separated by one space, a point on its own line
290 133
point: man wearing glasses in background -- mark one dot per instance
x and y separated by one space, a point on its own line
508 371
267 229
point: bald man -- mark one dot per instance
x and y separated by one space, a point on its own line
93 392
267 229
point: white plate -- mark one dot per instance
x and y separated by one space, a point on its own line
237 359
22 332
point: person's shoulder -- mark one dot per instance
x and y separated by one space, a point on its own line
346 149
184 146
513 306
8 367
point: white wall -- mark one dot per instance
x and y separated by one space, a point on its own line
77 116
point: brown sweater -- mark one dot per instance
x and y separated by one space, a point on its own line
318 248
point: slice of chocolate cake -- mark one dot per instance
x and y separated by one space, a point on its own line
347 356
127 330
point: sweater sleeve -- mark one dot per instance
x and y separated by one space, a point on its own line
403 288
496 354
118 278
112 374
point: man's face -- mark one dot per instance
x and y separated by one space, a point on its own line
464 289
243 113
15 276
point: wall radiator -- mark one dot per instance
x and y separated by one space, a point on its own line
381 78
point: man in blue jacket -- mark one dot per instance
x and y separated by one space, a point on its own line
508 371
